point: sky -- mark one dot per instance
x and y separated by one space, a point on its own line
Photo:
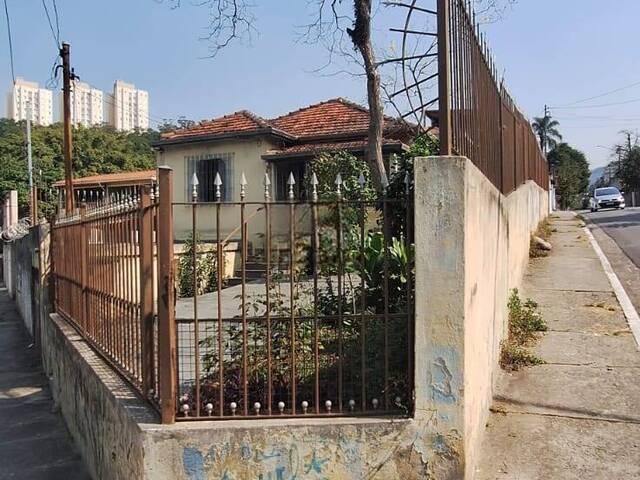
553 52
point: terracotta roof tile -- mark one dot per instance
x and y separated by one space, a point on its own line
124 178
333 117
242 121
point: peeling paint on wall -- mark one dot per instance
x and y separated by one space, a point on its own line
445 376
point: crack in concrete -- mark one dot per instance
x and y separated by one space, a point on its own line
590 365
572 417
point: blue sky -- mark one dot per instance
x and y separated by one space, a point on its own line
553 52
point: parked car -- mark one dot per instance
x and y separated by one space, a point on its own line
607 197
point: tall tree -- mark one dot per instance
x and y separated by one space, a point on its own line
334 21
97 150
628 171
571 175
547 131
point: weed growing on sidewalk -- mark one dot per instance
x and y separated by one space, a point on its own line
524 322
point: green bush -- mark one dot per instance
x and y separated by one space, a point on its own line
206 269
525 321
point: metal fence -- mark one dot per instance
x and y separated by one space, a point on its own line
315 317
477 117
309 314
103 258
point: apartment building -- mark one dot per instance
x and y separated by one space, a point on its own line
87 105
28 99
129 107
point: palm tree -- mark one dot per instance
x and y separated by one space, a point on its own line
547 131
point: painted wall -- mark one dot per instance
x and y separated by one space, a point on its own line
472 249
120 436
248 159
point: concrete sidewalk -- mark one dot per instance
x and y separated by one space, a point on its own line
577 416
34 442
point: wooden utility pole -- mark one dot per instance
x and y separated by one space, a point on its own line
68 141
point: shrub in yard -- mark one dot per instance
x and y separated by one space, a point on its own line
206 269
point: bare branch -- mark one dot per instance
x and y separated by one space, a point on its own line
229 21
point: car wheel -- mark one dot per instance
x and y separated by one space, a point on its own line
592 210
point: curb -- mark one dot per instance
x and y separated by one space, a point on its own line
627 307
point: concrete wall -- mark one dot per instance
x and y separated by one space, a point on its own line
471 249
28 273
9 217
100 410
120 437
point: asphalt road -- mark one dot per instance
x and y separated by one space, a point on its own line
623 226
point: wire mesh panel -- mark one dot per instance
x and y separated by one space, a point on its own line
296 307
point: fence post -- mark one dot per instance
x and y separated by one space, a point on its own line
444 79
84 315
145 229
166 299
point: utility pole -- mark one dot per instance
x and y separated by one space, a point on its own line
32 205
67 76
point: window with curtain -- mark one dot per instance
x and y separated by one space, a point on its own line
206 167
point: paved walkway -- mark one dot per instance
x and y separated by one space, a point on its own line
34 442
577 416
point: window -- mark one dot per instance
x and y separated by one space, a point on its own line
282 172
206 167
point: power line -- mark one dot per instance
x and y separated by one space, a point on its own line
601 95
6 12
55 10
598 106
54 31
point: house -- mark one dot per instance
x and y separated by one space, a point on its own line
243 142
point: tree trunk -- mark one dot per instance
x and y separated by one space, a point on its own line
361 38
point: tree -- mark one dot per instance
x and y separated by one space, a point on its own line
97 150
571 174
334 22
628 171
547 131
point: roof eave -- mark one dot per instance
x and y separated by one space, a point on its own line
222 136
398 147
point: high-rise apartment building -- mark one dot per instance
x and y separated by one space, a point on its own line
129 107
87 107
27 98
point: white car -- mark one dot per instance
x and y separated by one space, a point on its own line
607 197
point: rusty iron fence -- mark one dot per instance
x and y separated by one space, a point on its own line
314 318
295 307
104 258
477 118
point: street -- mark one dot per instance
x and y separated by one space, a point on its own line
618 234
623 226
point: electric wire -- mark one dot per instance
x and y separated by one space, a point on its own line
602 105
600 95
6 12
56 36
